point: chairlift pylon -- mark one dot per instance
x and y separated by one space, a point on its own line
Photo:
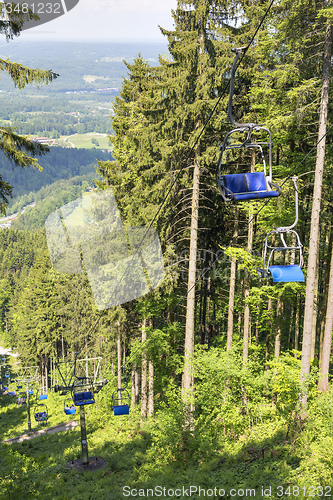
249 185
284 272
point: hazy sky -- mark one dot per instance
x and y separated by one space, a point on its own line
108 20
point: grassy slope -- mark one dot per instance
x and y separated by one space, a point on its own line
159 455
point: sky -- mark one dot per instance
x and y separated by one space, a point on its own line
108 20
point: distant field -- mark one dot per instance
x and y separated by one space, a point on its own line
86 141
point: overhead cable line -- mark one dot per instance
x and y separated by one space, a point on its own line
184 162
176 179
193 148
207 269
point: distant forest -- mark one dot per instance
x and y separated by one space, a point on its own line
59 163
72 61
80 99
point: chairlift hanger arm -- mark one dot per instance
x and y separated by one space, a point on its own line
239 52
287 229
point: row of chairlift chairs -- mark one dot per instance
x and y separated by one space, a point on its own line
256 185
40 409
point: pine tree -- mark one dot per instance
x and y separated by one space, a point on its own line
20 150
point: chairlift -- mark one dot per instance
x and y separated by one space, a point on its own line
69 409
290 242
118 397
7 374
30 392
82 392
40 412
117 402
21 400
43 395
11 393
249 185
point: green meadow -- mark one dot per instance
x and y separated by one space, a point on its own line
87 141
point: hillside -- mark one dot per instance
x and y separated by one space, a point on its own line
59 163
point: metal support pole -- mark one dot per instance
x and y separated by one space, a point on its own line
28 410
84 443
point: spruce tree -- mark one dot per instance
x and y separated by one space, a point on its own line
20 150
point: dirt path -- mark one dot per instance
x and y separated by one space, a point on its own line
67 426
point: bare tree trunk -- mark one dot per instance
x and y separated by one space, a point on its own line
325 364
279 313
268 336
315 312
247 318
133 388
329 241
151 388
144 374
315 215
297 323
231 303
188 388
46 373
232 290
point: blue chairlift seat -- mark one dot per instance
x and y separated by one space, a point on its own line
247 186
286 274
19 387
11 393
42 396
30 392
7 375
83 398
121 410
70 410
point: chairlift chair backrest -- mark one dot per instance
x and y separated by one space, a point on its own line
82 392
